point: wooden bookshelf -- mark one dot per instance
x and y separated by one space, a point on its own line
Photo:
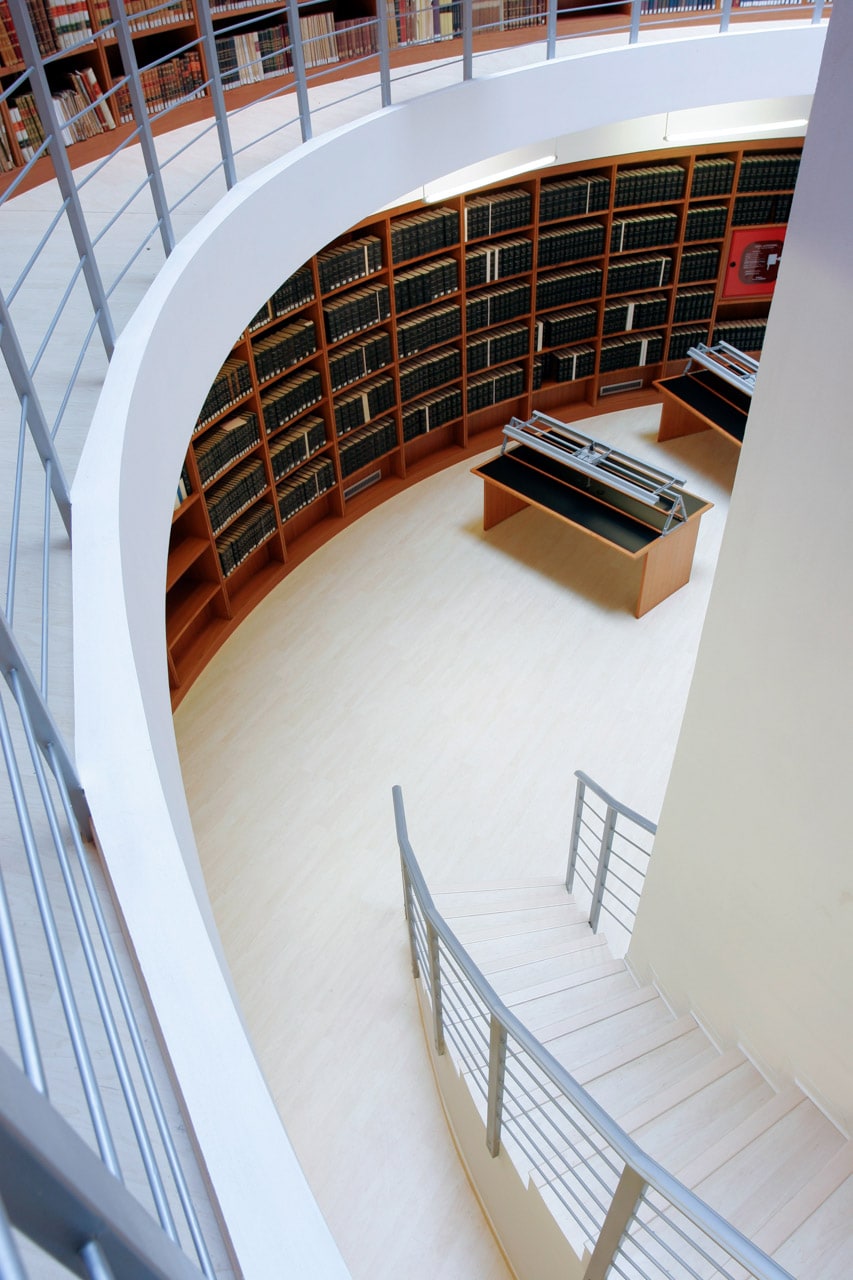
408 343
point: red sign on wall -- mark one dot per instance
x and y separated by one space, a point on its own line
753 262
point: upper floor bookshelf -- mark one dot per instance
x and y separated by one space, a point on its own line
253 55
411 340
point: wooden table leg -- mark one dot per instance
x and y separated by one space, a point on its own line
499 504
678 420
667 565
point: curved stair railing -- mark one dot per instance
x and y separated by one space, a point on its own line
633 1218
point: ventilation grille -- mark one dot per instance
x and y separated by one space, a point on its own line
362 484
634 384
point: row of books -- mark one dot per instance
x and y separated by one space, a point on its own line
567 197
422 416
433 370
26 125
645 231
770 172
288 399
698 264
568 244
428 329
566 326
56 25
497 211
297 444
355 38
621 315
283 348
507 342
693 304
10 49
358 407
232 383
630 353
650 184
675 6
245 536
748 335
295 292
84 99
422 285
184 487
570 363
712 176
359 359
176 80
494 386
486 309
488 263
145 15
681 340
421 233
574 284
751 211
705 222
650 272
366 445
317 31
347 262
226 444
360 309
235 493
302 488
250 56
422 21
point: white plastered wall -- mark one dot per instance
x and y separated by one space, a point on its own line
123 496
747 913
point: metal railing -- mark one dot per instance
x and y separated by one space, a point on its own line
82 266
609 1197
609 855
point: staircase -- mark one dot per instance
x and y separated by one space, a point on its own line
767 1159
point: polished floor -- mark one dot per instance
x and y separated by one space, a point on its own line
478 671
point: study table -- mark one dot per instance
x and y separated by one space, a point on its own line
715 391
641 512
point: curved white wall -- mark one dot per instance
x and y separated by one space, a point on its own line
123 494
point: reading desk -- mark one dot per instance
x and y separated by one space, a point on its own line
714 391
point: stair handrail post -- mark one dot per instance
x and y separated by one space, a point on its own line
297 54
497 1075
383 48
409 912
634 30
623 1206
603 864
435 988
580 793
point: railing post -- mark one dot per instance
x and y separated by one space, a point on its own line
408 908
382 47
551 29
435 988
725 15
603 863
217 94
497 1072
576 834
817 12
623 1206
298 55
634 32
467 39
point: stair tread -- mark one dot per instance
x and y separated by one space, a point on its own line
650 1065
492 959
819 1216
474 900
547 1008
514 922
601 1013
560 963
579 1045
686 1086
562 982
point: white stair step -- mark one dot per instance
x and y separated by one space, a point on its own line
822 1247
688 1084
652 1063
513 922
508 975
472 900
492 958
599 1014
578 1045
491 953
808 1204
577 977
573 998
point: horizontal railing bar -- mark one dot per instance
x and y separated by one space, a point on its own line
612 803
81 356
12 571
36 253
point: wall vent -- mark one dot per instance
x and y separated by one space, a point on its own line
362 484
635 384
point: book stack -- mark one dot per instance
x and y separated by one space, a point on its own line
538 372
317 32
776 172
423 416
570 363
235 493
177 80
523 13
630 353
253 55
146 14
233 382
493 387
650 272
705 222
426 372
358 407
297 444
424 284
39 11
428 329
355 37
10 49
493 262
746 335
752 211
681 340
287 400
366 445
284 348
358 359
7 160
293 293
646 231
693 304
498 211
674 6
360 309
621 315
307 484
497 305
650 184
570 196
184 487
566 326
26 124
574 285
506 343
245 536
347 262
698 264
422 233
712 176
234 438
568 244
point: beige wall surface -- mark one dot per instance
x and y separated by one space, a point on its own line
747 914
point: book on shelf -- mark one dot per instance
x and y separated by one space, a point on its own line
26 125
226 444
698 264
712 176
71 22
366 445
428 328
318 39
297 444
649 272
144 15
250 56
288 399
39 12
279 350
359 309
492 387
681 340
426 283
566 326
83 108
231 496
345 263
358 359
429 371
497 211
304 486
357 407
568 364
495 305
422 233
487 263
569 243
246 535
506 342
650 184
639 312
422 416
575 284
10 49
355 38
568 197
232 383
643 231
294 292
630 353
7 159
184 487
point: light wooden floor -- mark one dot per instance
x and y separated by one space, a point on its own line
478 671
